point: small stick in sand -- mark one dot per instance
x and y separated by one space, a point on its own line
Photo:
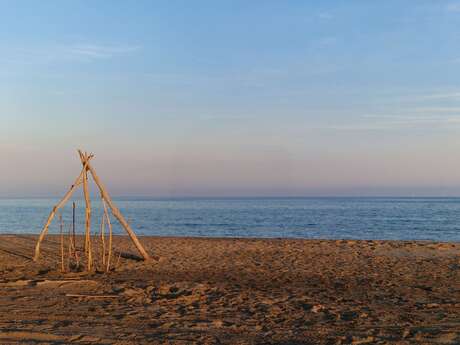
109 224
69 248
103 239
61 227
91 296
74 244
77 259
96 245
118 260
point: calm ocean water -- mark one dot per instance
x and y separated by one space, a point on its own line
329 218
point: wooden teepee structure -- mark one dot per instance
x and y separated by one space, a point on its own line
82 179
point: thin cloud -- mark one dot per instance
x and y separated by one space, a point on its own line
92 51
453 7
395 122
325 16
437 110
413 97
72 52
411 119
374 126
446 95
327 41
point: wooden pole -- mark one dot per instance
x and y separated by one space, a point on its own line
88 249
55 209
73 227
117 214
109 224
61 228
103 239
69 248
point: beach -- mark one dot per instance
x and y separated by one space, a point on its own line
234 291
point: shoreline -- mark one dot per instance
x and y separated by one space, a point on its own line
148 237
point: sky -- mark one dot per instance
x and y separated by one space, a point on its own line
231 98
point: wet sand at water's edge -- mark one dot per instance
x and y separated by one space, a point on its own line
235 291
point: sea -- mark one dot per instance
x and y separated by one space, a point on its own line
383 218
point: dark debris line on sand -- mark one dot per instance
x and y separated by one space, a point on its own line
226 291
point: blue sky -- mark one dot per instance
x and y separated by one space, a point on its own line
232 97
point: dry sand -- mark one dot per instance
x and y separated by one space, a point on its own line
236 291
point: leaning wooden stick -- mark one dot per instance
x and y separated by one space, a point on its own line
88 249
85 192
117 214
55 209
109 224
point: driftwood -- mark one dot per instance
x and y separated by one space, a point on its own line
109 224
91 296
74 241
117 214
103 239
70 251
107 201
56 208
61 228
88 248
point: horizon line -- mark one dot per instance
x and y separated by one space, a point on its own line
121 197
